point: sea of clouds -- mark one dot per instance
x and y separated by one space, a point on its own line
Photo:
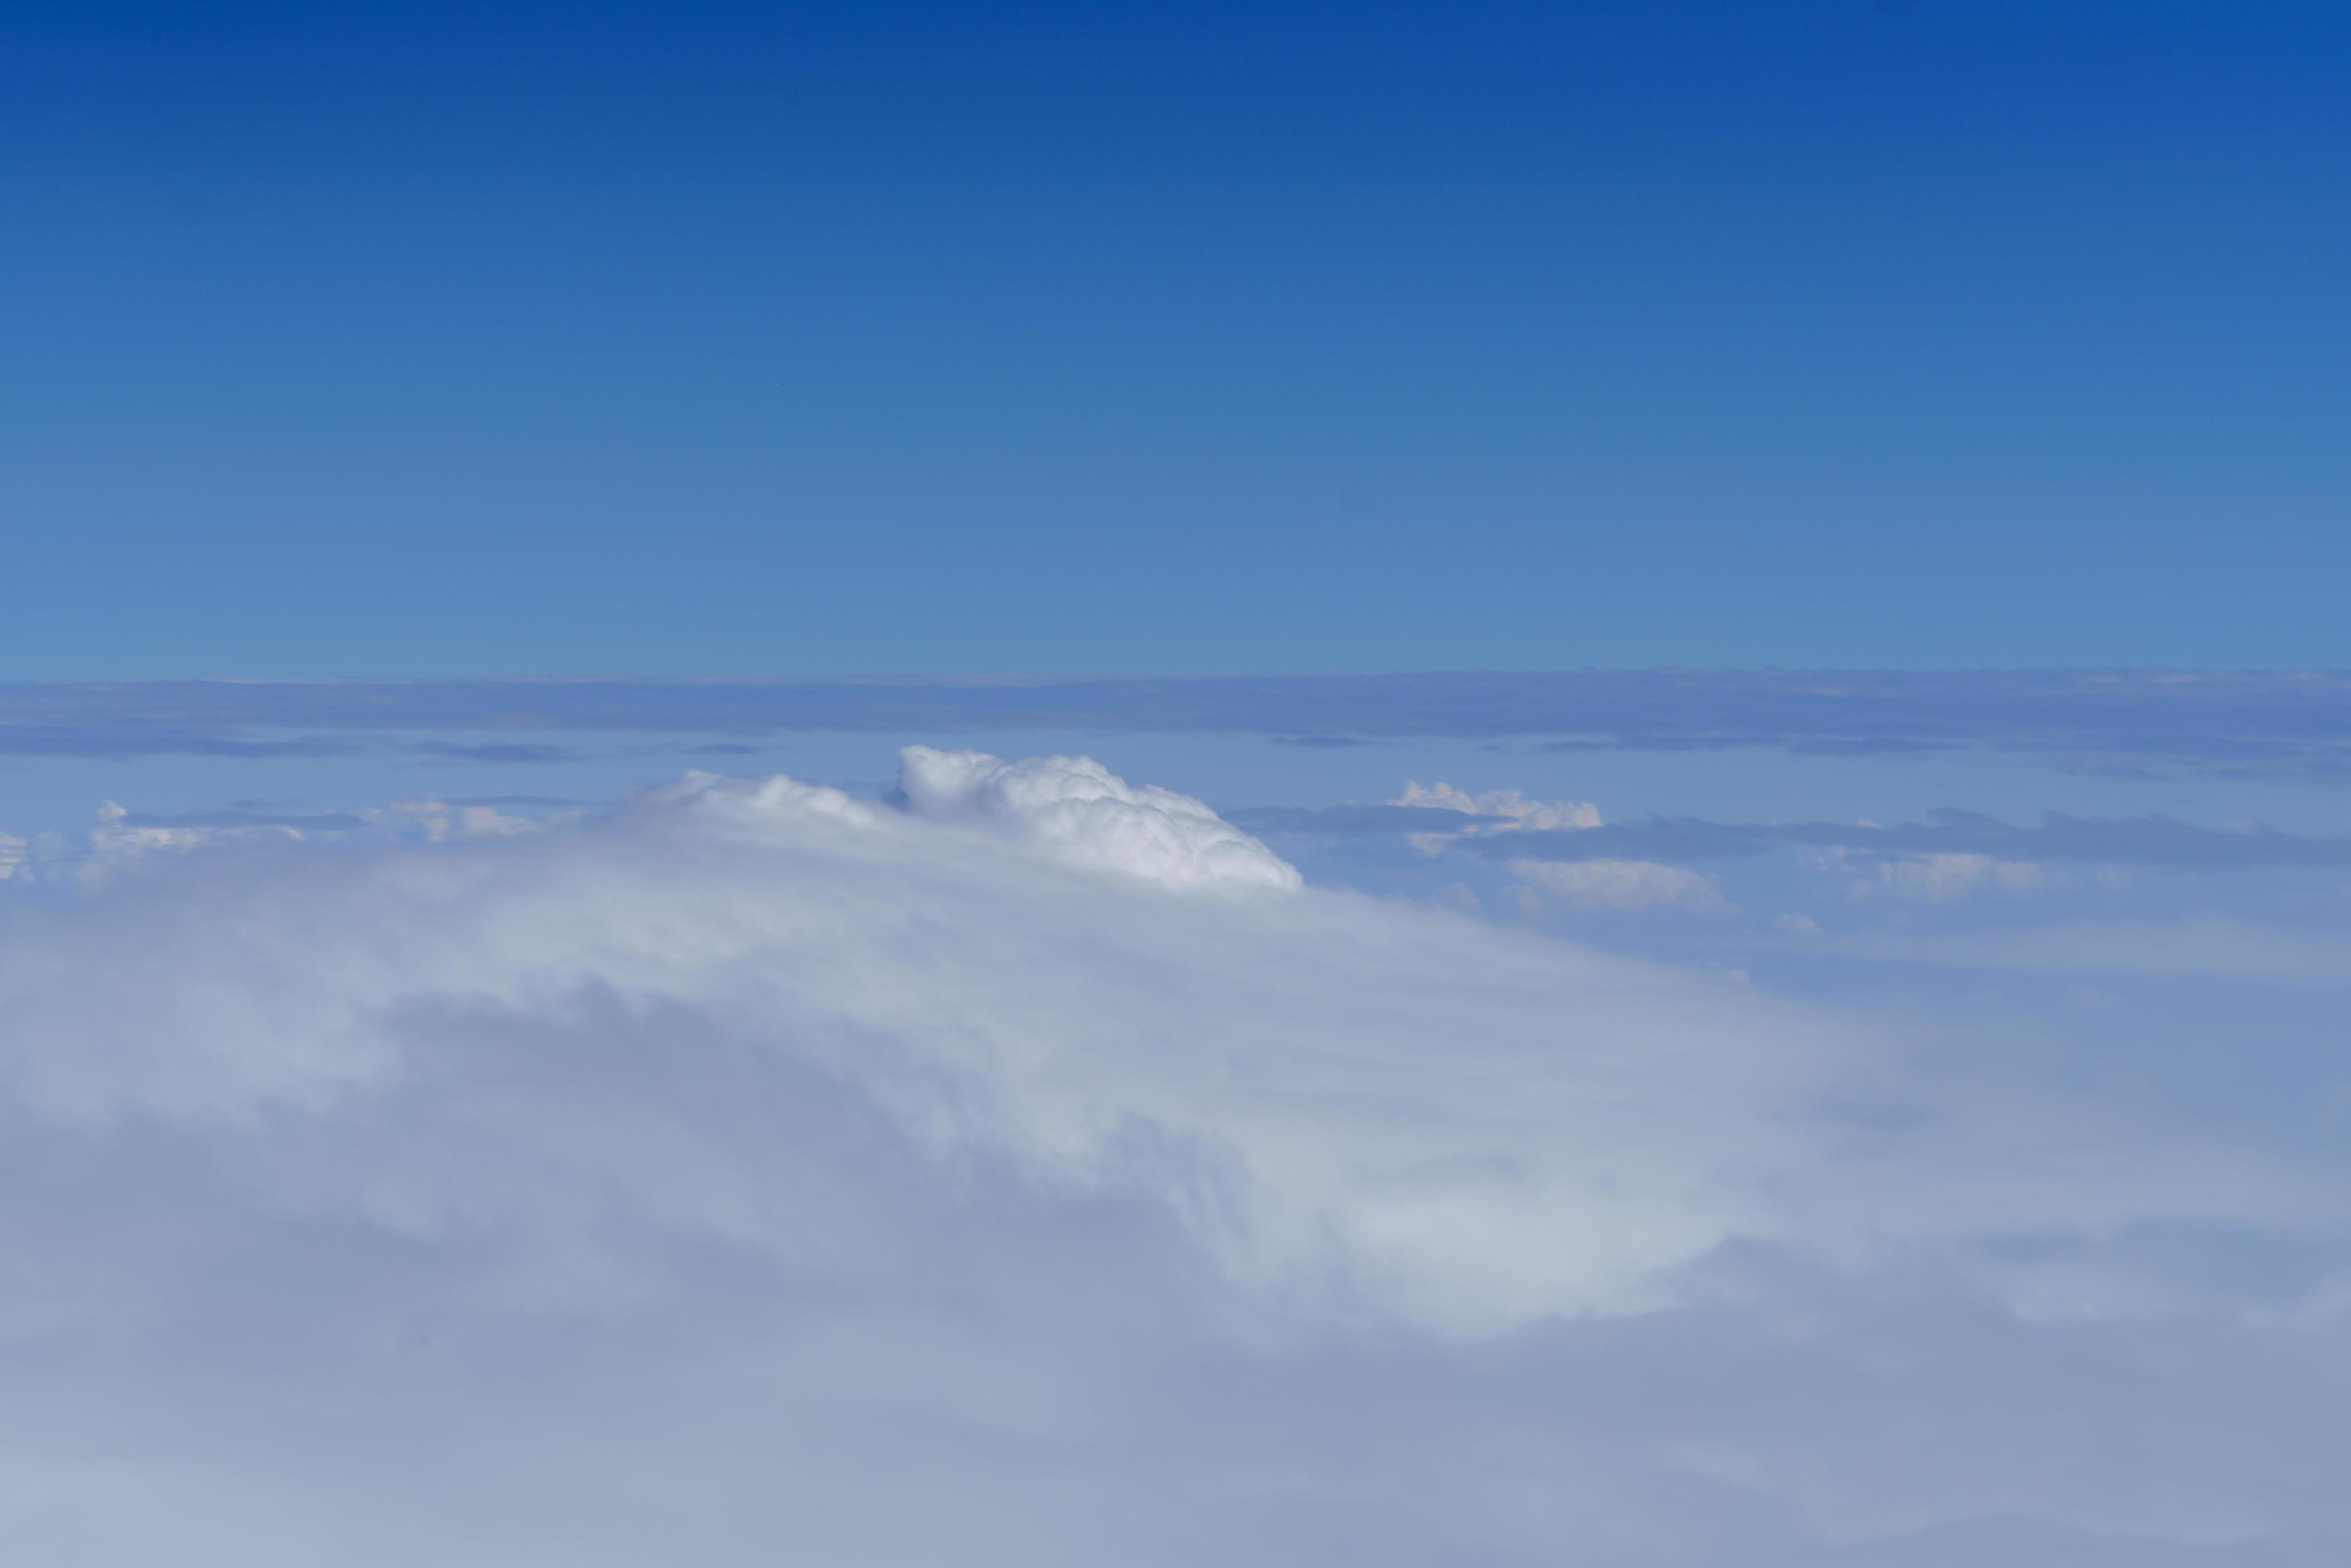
1029 1167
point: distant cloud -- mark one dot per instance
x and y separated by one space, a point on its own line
518 752
1620 884
1496 810
143 740
2149 841
437 821
2168 953
1499 810
1936 874
122 840
2143 722
245 816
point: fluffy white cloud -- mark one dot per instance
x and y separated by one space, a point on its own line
1036 1173
1078 811
986 964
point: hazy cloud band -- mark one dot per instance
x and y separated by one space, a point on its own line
2245 723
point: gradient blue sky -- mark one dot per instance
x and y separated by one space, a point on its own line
498 338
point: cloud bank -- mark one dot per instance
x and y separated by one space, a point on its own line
1031 1168
2228 724
2142 841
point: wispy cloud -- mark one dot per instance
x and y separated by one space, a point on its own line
2151 841
140 739
245 816
510 751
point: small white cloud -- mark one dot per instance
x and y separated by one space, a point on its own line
116 844
1496 810
1511 806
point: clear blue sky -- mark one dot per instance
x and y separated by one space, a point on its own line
801 340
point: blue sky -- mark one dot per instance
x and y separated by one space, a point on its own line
688 340
1277 786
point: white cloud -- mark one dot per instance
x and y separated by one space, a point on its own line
970 965
1036 1174
116 844
1496 810
1078 811
435 821
1512 807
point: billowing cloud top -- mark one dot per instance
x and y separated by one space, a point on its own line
1079 811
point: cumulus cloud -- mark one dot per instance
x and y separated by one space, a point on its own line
120 838
1032 1170
1077 810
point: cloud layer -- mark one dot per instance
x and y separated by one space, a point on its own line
1032 1170
2228 724
2143 841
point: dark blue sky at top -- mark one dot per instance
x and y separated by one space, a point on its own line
1117 339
